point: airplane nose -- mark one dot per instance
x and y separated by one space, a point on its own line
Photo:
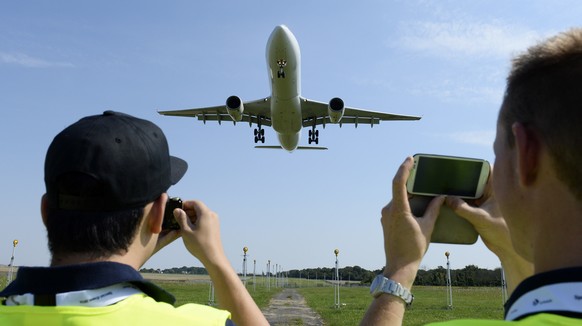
280 31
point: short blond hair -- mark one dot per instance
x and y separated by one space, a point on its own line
544 92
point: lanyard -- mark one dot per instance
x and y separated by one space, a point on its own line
88 298
555 297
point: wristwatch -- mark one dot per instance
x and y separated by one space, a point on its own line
383 284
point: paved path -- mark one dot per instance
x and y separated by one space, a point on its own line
289 308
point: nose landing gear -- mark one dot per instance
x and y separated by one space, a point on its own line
281 63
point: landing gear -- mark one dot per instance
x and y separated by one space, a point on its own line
259 133
281 63
313 136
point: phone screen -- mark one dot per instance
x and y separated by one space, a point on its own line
447 176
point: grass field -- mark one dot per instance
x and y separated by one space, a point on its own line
199 292
430 304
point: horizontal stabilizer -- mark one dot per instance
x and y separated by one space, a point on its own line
300 147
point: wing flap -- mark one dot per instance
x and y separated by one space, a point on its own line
316 112
225 117
345 120
253 112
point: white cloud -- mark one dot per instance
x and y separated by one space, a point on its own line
459 38
451 91
482 138
28 61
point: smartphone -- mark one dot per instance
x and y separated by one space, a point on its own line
434 175
169 222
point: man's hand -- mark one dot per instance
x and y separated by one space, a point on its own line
487 220
491 226
200 230
406 237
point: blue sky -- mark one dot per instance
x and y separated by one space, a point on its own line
443 60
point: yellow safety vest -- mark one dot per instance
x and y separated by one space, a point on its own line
138 309
534 320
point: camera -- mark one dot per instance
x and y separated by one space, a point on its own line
169 222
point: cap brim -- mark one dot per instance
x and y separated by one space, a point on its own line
178 169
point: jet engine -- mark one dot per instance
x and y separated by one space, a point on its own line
235 107
335 109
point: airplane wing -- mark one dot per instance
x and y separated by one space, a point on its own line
253 110
314 111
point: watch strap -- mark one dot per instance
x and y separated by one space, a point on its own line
383 284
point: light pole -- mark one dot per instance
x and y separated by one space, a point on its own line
254 274
449 284
211 294
269 275
503 286
245 249
336 286
11 265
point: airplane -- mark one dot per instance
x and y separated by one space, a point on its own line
286 111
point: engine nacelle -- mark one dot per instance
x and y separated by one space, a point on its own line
235 107
335 109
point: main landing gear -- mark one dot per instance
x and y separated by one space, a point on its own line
259 133
313 136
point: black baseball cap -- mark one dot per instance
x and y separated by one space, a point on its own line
126 156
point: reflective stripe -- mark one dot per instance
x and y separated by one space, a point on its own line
88 298
566 297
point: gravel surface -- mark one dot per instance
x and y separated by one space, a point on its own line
289 308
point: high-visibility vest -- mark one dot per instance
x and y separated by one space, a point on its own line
533 320
138 309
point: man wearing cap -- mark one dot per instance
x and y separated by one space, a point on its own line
106 179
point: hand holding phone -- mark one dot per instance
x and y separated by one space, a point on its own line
434 175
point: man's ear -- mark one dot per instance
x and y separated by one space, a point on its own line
156 217
527 143
44 209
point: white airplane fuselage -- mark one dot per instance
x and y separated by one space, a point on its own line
284 70
285 110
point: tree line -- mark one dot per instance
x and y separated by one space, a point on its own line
177 270
470 275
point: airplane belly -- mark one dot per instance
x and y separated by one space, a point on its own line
289 141
287 88
286 115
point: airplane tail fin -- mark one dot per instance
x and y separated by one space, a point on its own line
299 147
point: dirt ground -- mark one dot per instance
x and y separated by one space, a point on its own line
289 308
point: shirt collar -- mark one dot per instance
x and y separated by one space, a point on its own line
60 279
565 275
